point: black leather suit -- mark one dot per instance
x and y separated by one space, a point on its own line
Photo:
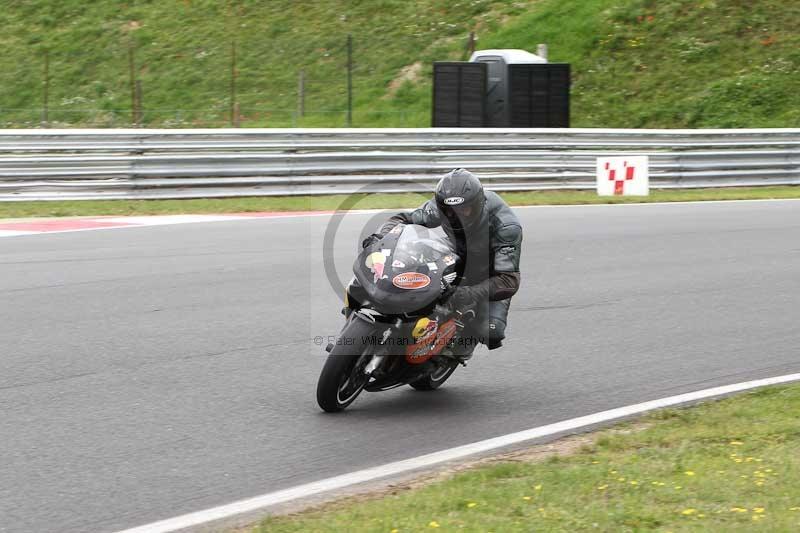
490 254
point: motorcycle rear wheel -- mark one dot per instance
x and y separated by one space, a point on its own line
435 379
342 378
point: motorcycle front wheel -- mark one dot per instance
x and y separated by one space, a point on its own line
342 378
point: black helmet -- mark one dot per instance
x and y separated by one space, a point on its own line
460 199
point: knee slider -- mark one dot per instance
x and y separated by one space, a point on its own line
496 333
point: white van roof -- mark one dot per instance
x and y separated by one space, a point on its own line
509 55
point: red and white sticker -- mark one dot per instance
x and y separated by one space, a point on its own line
375 262
411 280
623 176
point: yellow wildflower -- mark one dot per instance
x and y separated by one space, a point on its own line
620 479
526 498
537 487
738 510
758 510
688 512
602 487
433 523
633 482
471 504
689 473
736 443
794 508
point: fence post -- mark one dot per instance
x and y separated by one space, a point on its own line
301 93
234 105
349 80
132 77
139 108
470 48
46 91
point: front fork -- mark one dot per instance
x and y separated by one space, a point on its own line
369 315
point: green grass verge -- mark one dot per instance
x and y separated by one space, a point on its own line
732 465
362 201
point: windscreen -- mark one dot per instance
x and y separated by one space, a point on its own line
420 247
403 271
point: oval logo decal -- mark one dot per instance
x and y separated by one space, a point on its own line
454 200
411 280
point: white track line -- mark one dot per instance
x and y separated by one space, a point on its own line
370 474
639 204
14 233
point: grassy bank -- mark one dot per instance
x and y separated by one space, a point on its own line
635 63
362 201
671 63
732 465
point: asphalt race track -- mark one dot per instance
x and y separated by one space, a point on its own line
150 372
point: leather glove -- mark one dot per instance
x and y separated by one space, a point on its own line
369 241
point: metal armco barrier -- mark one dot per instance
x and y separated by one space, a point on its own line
147 164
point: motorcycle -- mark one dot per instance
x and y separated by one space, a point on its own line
399 326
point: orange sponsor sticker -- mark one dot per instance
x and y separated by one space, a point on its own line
427 347
411 280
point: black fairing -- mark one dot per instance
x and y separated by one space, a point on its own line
408 252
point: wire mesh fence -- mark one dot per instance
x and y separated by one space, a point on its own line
217 84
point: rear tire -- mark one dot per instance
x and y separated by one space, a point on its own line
342 379
435 379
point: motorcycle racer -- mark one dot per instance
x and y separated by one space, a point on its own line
487 236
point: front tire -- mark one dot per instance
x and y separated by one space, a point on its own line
342 378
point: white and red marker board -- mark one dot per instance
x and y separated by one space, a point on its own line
623 176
